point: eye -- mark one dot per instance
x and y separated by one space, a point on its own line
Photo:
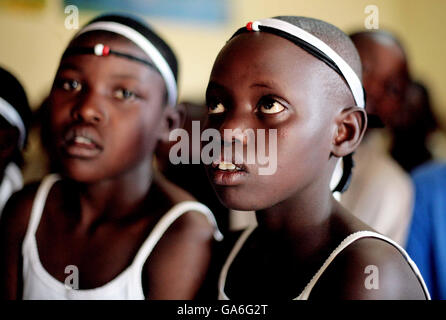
71 85
269 105
124 94
216 108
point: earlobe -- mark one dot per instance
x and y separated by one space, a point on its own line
351 125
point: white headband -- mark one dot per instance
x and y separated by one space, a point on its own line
143 43
350 76
11 115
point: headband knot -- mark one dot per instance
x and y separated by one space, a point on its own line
101 50
253 26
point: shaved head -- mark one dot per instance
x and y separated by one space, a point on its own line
386 74
332 36
341 43
381 37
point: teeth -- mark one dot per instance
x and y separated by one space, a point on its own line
79 139
226 166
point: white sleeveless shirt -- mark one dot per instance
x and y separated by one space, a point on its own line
307 290
12 182
39 284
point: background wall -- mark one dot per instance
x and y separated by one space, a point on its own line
32 39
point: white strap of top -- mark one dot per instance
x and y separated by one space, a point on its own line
166 221
39 205
156 234
235 250
12 181
344 244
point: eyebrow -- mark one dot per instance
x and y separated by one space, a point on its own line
69 66
215 86
126 76
264 84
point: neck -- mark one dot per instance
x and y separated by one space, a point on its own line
302 220
116 197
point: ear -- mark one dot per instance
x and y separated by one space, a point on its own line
174 117
351 124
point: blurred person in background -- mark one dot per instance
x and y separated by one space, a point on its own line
381 192
191 177
15 116
410 147
426 243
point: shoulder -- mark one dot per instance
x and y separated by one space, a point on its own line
430 190
180 261
16 214
171 191
369 268
193 223
429 173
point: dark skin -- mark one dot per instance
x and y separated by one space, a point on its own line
394 98
262 81
385 77
110 199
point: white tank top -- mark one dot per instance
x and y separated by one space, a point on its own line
39 284
307 290
12 182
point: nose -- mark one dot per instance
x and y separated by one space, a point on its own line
237 128
89 108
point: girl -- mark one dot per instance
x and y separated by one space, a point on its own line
15 116
300 77
108 227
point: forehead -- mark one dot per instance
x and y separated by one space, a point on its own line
261 56
114 41
111 64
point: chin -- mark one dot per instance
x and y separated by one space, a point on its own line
80 171
81 177
236 199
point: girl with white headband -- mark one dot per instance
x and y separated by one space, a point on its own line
301 77
107 226
15 116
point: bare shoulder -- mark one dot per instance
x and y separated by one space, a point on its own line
174 193
369 268
180 261
192 225
16 214
13 226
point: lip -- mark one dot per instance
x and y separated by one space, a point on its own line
227 177
81 142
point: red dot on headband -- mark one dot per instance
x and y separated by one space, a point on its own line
106 51
249 26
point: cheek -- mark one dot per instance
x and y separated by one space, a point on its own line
57 118
302 156
136 135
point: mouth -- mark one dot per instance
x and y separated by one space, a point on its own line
81 142
226 173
